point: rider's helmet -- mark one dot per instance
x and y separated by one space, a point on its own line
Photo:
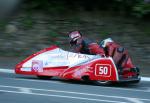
105 41
74 36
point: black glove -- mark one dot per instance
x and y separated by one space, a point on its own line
72 43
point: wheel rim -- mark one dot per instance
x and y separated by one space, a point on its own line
103 82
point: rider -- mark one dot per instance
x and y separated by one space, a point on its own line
84 45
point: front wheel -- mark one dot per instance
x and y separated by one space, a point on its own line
44 77
102 83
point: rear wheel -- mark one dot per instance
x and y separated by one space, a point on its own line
102 83
134 82
44 77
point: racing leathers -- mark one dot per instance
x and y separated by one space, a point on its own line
86 46
118 53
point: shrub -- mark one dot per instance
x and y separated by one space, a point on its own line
138 8
141 9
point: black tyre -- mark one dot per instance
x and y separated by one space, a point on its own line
135 82
102 83
44 77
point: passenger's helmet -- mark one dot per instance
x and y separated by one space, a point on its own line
105 41
74 36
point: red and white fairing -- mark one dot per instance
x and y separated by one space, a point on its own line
54 61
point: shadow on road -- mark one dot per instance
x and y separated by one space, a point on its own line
116 85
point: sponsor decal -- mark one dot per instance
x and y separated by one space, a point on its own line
80 71
37 66
75 55
103 70
77 73
26 69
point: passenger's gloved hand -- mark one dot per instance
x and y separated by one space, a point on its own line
120 49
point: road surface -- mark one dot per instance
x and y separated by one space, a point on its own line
28 89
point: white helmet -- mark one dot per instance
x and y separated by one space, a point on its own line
75 35
105 41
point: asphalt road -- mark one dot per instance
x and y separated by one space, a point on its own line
28 89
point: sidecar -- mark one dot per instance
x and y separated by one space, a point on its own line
56 62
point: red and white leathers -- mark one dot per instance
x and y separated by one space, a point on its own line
86 46
118 53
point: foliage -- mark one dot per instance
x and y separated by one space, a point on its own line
50 6
2 25
141 9
27 21
138 8
52 37
52 34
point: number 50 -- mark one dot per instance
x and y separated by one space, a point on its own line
103 70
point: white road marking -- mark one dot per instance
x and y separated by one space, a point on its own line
6 70
134 100
70 92
62 96
145 78
25 90
42 81
12 71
